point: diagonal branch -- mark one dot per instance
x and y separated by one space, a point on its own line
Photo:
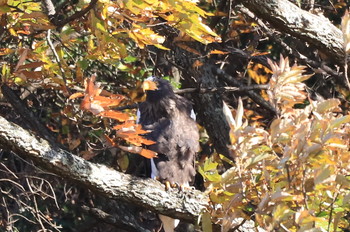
77 14
52 13
147 193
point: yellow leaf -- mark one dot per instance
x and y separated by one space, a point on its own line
329 105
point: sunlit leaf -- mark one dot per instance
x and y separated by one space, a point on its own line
117 115
328 105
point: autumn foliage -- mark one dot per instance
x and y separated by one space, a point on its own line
293 174
79 71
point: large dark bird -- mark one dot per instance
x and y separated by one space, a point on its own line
168 117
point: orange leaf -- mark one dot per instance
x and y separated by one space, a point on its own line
132 149
139 150
109 141
6 51
197 64
128 123
90 88
189 49
147 141
148 153
218 52
76 95
117 115
107 101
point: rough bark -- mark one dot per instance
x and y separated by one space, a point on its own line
288 18
148 193
208 106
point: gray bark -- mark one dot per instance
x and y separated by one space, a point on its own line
289 18
148 193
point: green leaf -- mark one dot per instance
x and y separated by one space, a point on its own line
130 59
206 222
254 160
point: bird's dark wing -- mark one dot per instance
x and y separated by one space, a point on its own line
176 136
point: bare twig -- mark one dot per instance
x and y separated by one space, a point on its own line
56 57
221 89
254 96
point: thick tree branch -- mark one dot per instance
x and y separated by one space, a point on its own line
288 18
148 193
290 48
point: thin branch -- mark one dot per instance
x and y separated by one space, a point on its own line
253 95
221 89
56 57
204 90
77 14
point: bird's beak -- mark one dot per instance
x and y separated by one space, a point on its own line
149 85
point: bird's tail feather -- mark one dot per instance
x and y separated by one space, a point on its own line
169 224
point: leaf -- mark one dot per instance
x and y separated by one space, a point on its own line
254 160
239 114
218 52
148 153
117 115
189 49
109 141
343 181
6 51
31 74
322 175
329 105
32 65
139 150
335 123
76 95
123 162
87 155
206 222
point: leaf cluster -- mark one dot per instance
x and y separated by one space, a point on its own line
292 175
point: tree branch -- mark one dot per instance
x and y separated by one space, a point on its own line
253 95
221 89
52 13
314 29
147 193
77 14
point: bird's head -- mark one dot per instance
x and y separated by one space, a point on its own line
157 89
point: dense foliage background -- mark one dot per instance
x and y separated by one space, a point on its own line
270 87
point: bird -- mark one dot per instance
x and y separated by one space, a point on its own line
170 120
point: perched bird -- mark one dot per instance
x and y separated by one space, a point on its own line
170 120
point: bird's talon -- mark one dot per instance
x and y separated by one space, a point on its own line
167 185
